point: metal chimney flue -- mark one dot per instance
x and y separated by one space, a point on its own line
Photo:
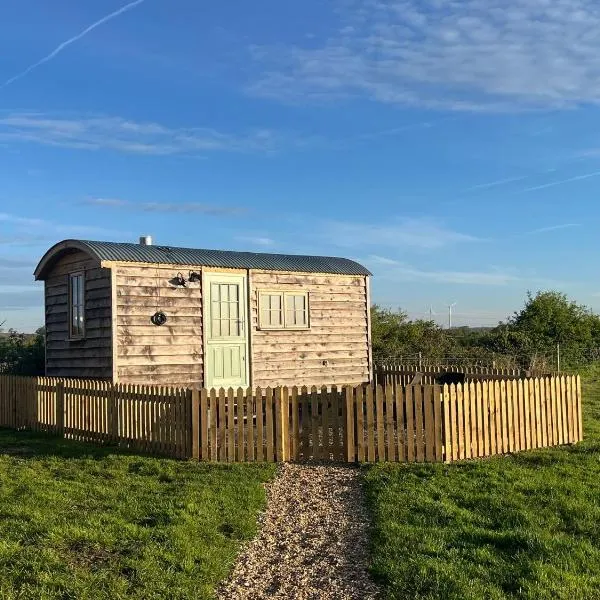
146 240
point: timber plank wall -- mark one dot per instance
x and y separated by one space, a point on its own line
170 354
338 333
91 356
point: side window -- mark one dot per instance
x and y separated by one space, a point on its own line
271 310
296 310
76 305
283 310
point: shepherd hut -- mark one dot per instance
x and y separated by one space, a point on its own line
143 313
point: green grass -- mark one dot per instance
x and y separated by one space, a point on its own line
521 526
84 522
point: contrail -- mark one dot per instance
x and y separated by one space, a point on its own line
547 185
62 46
491 184
553 228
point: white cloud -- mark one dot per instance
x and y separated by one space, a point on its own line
395 270
420 233
469 55
391 269
257 240
166 207
121 135
36 227
553 228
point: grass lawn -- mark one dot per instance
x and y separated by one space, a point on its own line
83 522
522 526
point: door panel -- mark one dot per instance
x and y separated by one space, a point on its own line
225 330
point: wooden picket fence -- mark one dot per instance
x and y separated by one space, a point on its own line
399 423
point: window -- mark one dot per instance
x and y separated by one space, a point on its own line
76 305
283 310
225 310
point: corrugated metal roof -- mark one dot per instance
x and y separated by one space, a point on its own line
126 252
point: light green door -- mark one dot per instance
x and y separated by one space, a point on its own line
225 330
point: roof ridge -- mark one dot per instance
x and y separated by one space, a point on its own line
232 259
168 246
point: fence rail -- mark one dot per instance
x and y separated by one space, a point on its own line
405 374
401 423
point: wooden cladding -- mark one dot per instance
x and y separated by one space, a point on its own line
144 353
78 318
416 423
330 343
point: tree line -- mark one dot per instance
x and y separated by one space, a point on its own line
21 353
549 328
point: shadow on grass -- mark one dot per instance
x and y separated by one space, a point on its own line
33 444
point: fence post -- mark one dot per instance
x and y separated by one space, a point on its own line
349 404
114 413
194 398
60 407
282 424
446 430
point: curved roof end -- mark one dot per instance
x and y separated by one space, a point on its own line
52 255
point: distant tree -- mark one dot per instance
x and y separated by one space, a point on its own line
22 354
528 339
395 336
547 319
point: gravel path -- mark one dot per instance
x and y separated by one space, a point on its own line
312 543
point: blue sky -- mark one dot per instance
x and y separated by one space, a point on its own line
452 147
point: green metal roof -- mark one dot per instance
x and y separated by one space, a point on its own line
125 252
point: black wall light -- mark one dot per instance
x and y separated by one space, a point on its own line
180 280
158 318
194 277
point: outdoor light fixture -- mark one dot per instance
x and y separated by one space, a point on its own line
194 277
158 318
180 280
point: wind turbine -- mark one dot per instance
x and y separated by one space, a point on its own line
450 307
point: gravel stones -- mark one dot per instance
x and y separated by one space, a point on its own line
313 540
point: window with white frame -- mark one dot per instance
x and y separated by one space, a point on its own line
76 305
283 310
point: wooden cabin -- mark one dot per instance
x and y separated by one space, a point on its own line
140 313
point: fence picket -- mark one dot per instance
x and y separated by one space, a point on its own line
554 411
453 423
447 424
571 428
230 425
400 425
360 424
389 419
546 420
325 401
473 416
349 426
461 422
579 409
380 423
504 415
370 425
338 427
268 431
305 435
428 423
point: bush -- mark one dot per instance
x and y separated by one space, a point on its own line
22 354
